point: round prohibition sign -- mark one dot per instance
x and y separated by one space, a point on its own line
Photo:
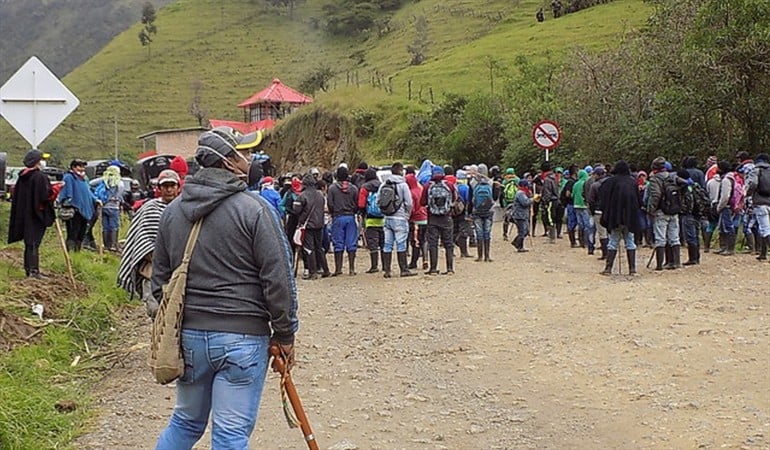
546 134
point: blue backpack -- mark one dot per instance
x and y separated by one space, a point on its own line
372 208
482 198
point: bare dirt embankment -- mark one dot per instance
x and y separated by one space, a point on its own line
534 350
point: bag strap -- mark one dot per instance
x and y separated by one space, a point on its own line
191 241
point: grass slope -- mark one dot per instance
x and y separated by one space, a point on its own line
236 47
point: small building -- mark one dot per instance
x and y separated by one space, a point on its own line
273 102
179 141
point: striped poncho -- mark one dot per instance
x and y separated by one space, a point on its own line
140 242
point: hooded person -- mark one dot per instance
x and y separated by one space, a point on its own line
135 270
110 192
620 214
31 211
418 222
268 192
309 208
359 175
758 189
374 219
342 201
520 212
425 172
439 196
179 165
549 200
585 220
665 220
240 295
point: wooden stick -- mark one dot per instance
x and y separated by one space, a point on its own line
280 366
98 227
66 253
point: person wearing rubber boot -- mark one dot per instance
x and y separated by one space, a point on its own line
395 200
309 208
77 194
758 187
727 231
110 191
618 202
521 210
582 213
418 224
600 176
549 201
374 219
31 211
661 205
480 209
342 201
439 196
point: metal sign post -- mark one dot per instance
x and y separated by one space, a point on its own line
35 102
546 134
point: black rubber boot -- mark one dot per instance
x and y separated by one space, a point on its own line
668 257
505 231
387 258
70 246
520 247
463 245
479 252
660 255
610 261
581 238
405 272
763 244
351 263
722 244
730 245
415 258
603 243
693 255
707 241
433 252
675 255
487 257
337 264
34 263
450 267
572 241
631 261
374 261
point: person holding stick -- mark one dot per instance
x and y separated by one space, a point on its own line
240 296
32 210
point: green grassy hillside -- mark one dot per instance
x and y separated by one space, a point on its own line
236 47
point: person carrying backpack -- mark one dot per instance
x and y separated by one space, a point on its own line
374 218
727 231
758 188
342 201
480 208
461 229
664 205
510 186
395 202
439 196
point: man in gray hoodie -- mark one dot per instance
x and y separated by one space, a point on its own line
240 296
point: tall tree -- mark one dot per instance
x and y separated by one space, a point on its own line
149 29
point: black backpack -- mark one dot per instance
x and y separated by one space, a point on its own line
671 198
763 182
389 201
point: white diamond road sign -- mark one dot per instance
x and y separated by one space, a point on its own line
35 102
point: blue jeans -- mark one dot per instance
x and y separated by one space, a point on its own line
395 229
110 219
483 228
586 223
621 233
666 229
571 218
224 375
691 226
344 233
726 223
763 219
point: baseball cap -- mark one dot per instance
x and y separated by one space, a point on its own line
168 176
33 157
267 180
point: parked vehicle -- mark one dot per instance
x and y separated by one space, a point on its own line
147 169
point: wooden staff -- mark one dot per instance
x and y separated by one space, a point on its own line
66 253
98 227
279 365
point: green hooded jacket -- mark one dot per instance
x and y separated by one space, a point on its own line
578 200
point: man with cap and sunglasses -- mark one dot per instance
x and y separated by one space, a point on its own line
77 194
240 295
31 210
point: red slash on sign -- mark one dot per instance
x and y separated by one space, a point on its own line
546 134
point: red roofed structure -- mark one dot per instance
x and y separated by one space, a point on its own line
273 102
244 128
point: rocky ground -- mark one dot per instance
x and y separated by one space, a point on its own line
534 350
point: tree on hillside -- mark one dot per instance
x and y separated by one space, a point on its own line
317 80
289 4
196 108
149 29
420 44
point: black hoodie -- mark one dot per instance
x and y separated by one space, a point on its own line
240 275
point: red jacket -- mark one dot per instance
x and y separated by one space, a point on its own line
419 212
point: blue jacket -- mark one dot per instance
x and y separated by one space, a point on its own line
77 192
274 198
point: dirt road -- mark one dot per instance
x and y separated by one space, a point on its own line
534 350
